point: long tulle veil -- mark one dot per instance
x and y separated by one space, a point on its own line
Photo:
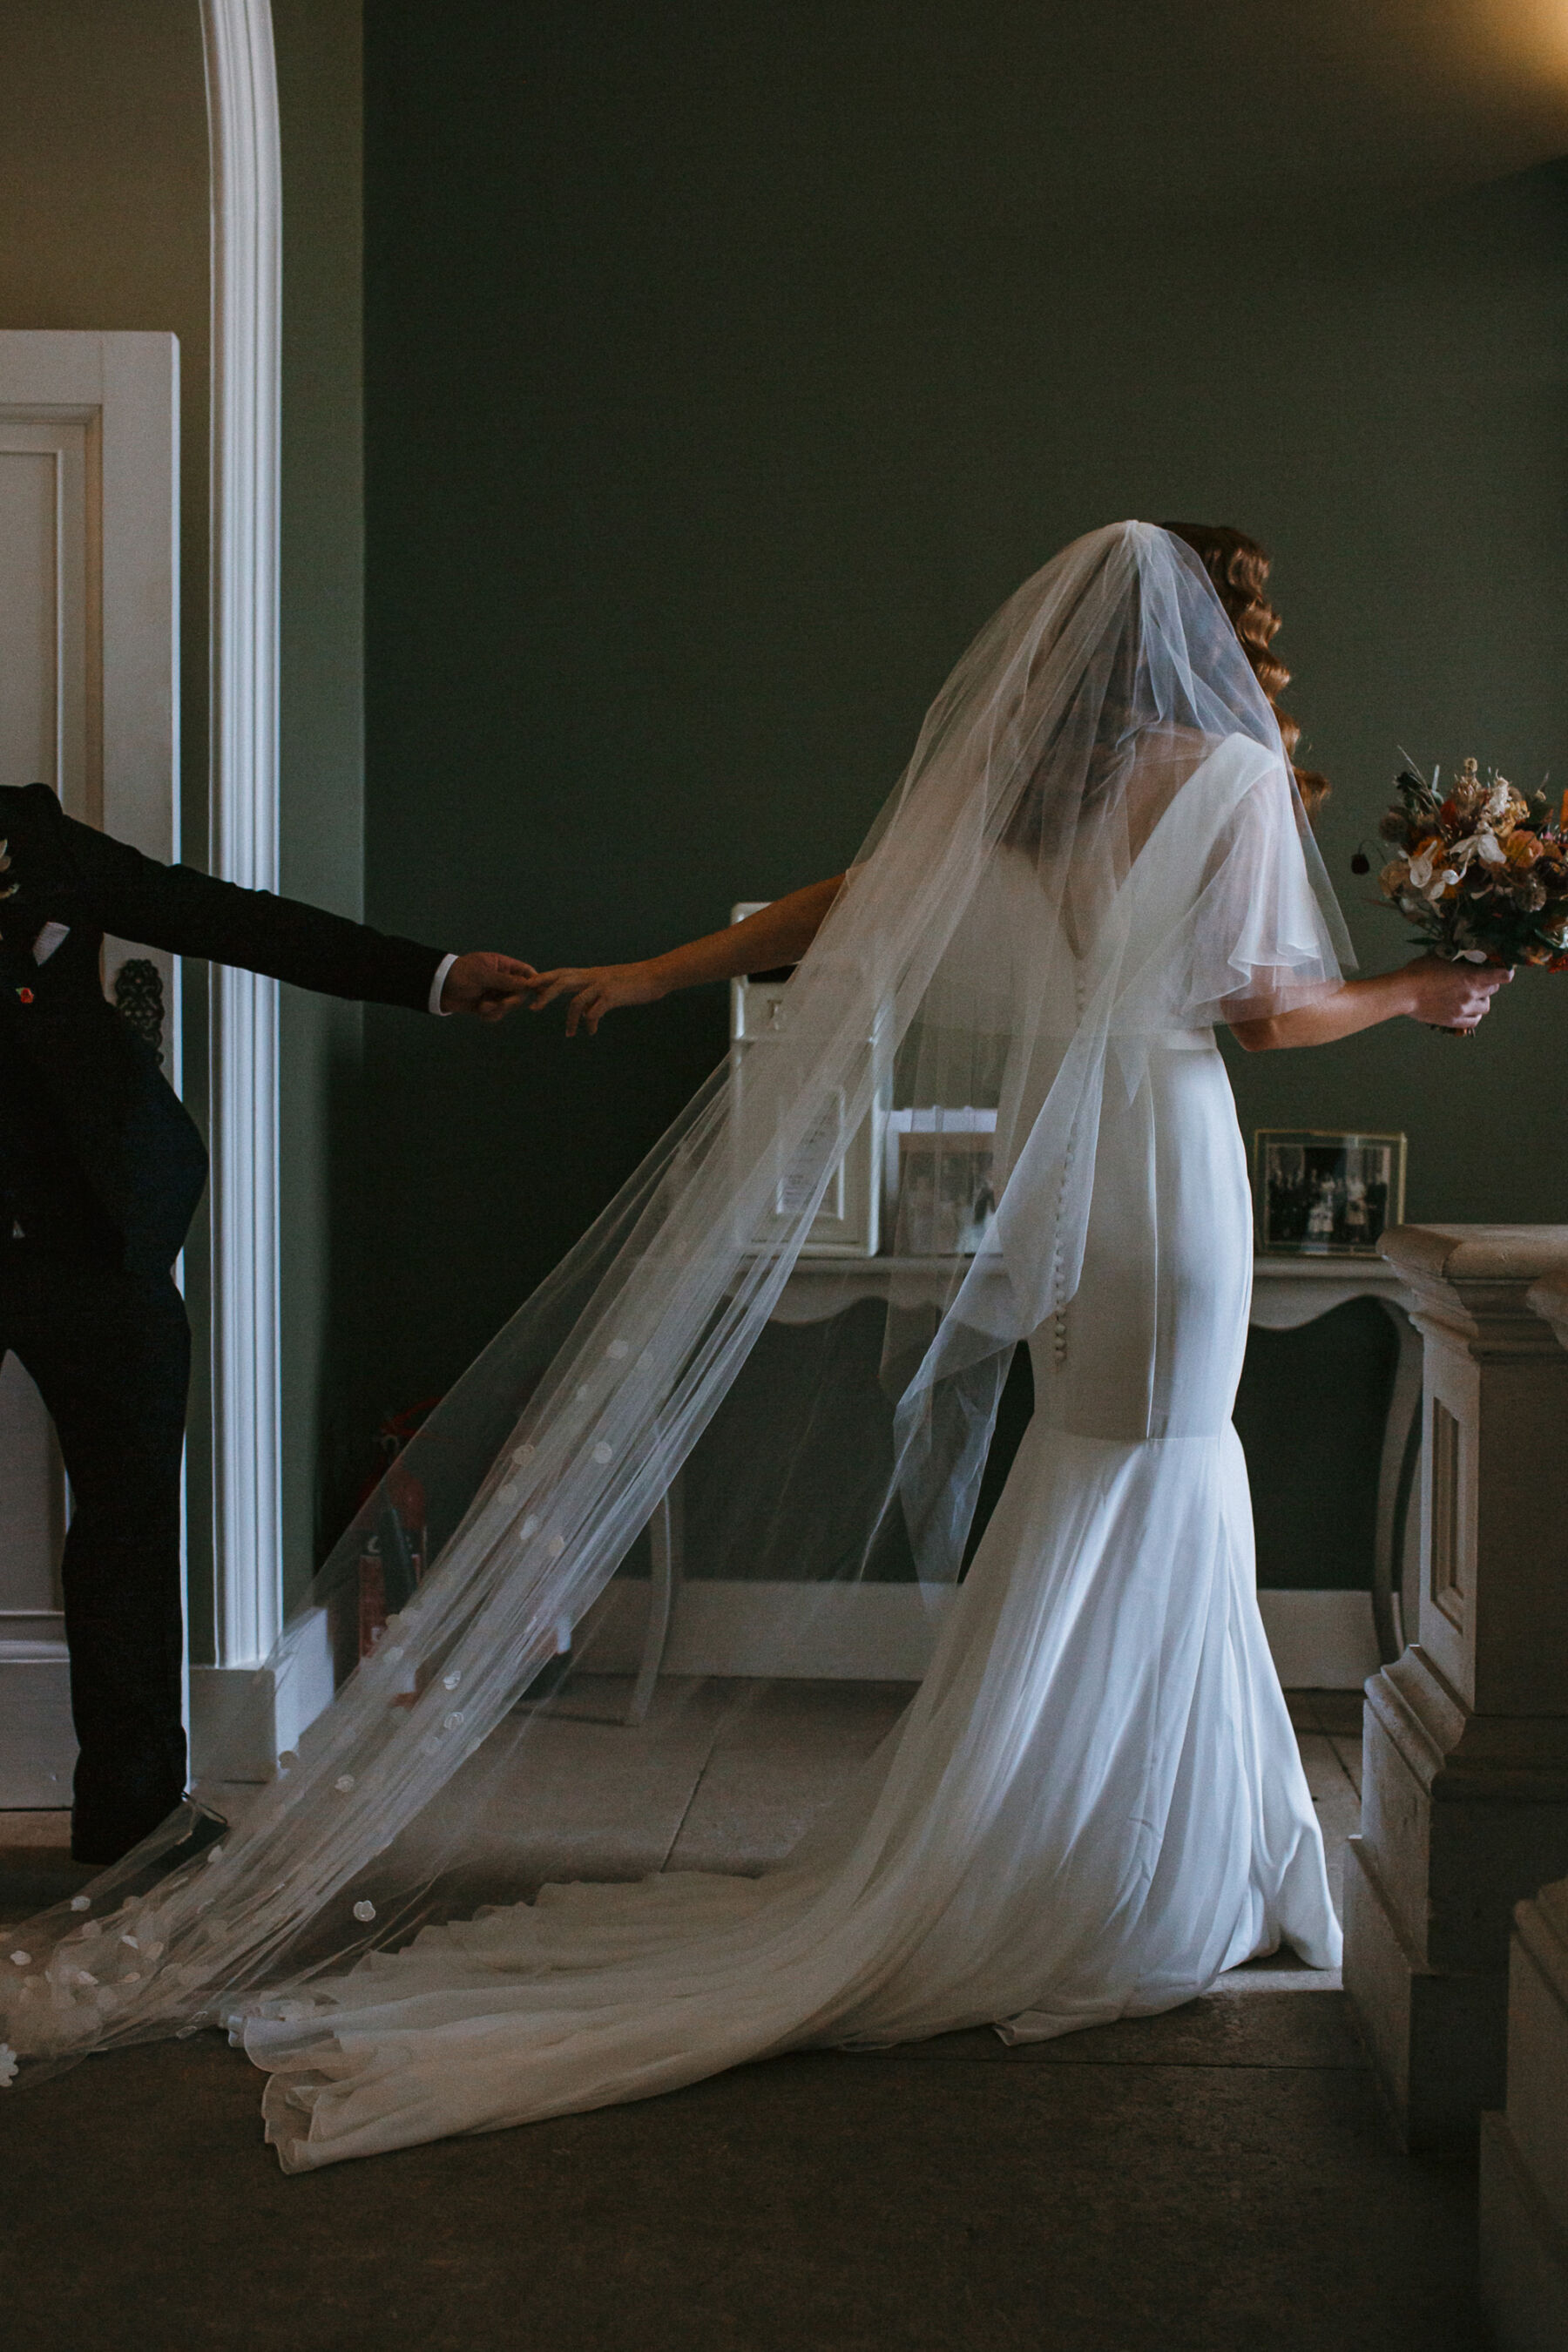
993 965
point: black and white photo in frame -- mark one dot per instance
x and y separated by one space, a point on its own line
1325 1194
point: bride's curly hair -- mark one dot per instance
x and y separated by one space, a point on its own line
1240 570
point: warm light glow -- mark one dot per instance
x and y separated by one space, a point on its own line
1495 72
1504 48
1533 33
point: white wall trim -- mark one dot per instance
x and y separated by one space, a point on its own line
1321 1640
247 298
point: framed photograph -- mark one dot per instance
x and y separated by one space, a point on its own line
945 1199
1325 1195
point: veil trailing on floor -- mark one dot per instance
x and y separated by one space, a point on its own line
1098 840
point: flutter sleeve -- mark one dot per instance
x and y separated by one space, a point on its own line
1244 916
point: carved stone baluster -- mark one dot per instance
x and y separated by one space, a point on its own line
1464 1780
1524 2151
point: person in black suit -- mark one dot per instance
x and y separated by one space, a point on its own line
100 1171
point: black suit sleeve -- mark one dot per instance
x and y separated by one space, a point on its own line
188 913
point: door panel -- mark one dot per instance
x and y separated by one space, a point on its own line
45 562
88 639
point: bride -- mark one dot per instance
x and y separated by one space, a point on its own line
1093 1805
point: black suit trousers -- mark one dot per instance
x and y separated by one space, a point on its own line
110 1353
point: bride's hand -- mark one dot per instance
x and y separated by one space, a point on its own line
592 990
1453 995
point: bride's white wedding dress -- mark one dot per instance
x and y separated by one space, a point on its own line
1093 1806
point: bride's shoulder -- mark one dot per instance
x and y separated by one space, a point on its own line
1226 774
1234 756
1214 782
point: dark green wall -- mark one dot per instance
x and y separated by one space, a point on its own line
724 369
321 750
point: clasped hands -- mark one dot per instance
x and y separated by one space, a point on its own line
492 986
486 985
593 990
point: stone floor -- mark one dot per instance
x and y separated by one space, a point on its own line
1215 2178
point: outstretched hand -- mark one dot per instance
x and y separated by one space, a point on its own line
592 990
487 985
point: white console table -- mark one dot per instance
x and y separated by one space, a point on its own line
1287 1292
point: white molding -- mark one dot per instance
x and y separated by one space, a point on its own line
246 237
245 1719
38 1755
1321 1640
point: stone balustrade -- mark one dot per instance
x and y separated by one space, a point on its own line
1524 2148
1465 1778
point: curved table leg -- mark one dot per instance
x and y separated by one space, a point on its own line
667 1537
1394 1482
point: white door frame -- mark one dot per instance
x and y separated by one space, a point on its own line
247 299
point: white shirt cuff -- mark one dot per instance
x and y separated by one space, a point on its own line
440 983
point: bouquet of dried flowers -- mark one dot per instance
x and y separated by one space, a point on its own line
1482 880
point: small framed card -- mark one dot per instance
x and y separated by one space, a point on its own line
848 1222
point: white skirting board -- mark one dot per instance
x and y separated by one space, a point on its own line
38 1744
1321 1640
249 1715
830 1633
246 1714
886 1633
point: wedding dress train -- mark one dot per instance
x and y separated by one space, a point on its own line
1093 1806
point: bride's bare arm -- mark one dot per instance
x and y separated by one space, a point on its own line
779 934
1445 995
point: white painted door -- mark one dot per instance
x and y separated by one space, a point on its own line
89 653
